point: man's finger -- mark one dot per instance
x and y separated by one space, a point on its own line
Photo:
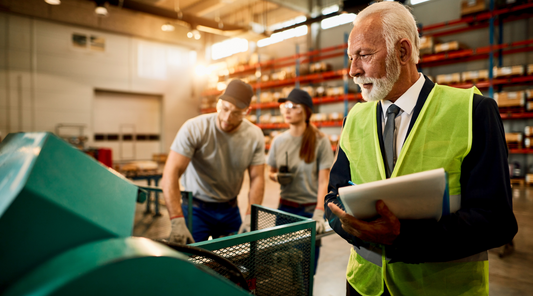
336 210
347 218
384 211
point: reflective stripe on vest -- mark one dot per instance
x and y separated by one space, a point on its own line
440 138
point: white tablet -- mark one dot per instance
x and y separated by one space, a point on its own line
415 196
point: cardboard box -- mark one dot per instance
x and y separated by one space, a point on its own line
510 99
513 137
448 46
449 78
265 118
319 117
335 116
529 106
320 91
320 67
529 94
334 91
426 45
276 119
530 69
470 76
266 97
310 90
252 118
528 131
472 6
508 71
527 143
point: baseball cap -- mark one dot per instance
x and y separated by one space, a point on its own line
298 96
239 93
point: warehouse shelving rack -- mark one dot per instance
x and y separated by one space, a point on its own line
477 21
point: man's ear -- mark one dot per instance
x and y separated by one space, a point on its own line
405 50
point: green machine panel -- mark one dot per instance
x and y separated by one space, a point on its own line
122 266
54 197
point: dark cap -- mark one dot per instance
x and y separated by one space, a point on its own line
239 93
298 96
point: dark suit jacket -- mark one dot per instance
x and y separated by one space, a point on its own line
486 218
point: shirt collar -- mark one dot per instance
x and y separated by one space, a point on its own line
407 101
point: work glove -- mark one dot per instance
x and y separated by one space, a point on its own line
318 216
245 226
179 233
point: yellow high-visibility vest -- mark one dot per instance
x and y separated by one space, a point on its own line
440 138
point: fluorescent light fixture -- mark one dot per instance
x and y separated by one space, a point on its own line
414 2
168 27
291 22
337 20
53 2
330 9
284 35
228 47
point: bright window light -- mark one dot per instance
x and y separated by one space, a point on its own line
201 70
337 20
284 35
414 2
228 47
330 9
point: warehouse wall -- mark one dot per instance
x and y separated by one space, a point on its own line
45 81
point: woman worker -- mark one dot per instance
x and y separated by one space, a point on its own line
300 160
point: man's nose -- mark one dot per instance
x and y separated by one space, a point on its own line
355 69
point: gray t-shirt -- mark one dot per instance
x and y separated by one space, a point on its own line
218 159
304 186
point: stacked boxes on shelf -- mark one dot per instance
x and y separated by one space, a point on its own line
514 140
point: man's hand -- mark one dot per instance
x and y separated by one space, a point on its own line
179 233
383 230
245 226
318 216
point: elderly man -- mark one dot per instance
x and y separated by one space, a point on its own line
212 152
408 125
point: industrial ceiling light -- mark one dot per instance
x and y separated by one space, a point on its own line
53 2
100 9
168 27
194 34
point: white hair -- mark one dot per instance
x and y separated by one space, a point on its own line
398 23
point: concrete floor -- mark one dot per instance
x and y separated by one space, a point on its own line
511 275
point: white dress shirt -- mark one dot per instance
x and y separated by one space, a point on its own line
407 103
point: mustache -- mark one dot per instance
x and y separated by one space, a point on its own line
364 80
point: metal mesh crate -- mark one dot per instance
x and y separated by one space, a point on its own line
276 257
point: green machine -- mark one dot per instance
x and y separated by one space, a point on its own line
65 229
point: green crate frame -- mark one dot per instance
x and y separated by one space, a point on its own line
255 235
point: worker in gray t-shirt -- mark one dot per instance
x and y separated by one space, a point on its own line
212 152
300 160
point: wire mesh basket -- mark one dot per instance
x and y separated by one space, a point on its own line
276 257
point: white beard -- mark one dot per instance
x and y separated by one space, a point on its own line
381 87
